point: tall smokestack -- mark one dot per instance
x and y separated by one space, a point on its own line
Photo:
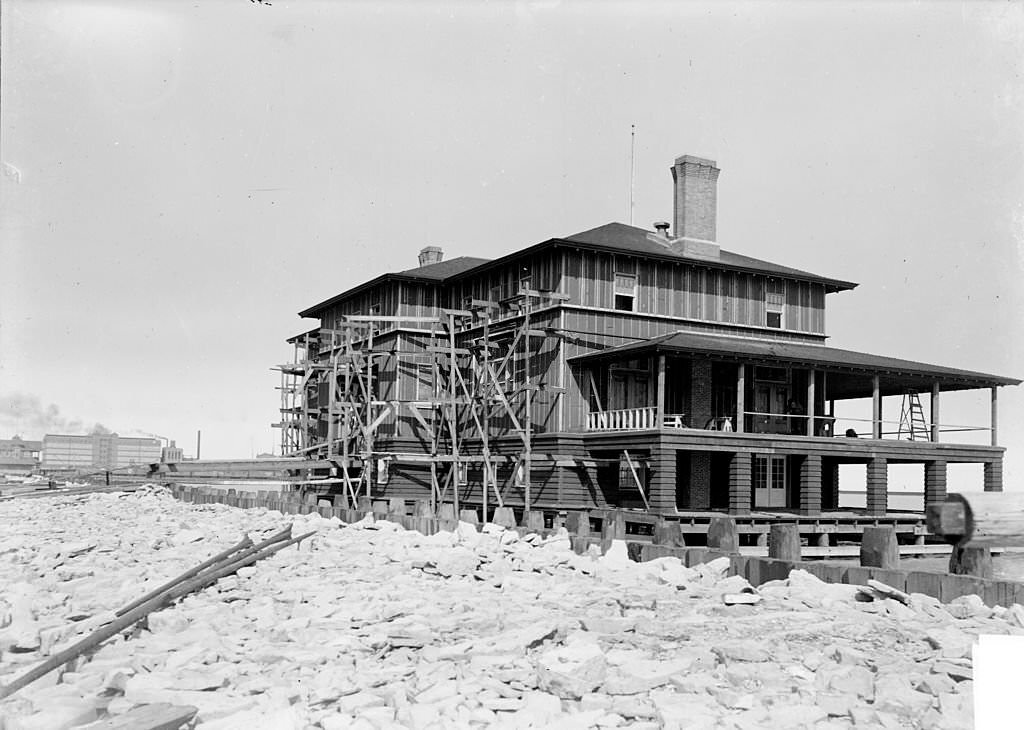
695 206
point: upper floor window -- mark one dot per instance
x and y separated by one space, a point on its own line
424 374
625 292
774 303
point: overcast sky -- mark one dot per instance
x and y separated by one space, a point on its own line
181 178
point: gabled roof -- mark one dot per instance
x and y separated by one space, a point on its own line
431 273
611 237
798 353
628 239
444 269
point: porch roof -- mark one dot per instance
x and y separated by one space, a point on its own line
896 375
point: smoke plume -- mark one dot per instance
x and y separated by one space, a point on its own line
28 416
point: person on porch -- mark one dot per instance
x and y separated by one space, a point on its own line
796 424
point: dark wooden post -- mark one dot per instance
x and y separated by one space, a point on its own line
722 535
784 542
971 560
879 548
876 408
995 417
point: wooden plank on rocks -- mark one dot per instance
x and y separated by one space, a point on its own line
158 716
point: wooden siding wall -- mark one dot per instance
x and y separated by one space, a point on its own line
689 291
544 270
684 294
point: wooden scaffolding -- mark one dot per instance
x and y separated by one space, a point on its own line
332 408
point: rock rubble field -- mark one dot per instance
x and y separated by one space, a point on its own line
371 626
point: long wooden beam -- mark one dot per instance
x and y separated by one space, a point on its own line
985 519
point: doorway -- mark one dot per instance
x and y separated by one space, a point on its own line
771 398
769 476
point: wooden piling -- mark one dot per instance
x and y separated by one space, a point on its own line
784 542
578 523
669 533
975 560
722 535
879 548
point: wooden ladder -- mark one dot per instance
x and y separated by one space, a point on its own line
912 420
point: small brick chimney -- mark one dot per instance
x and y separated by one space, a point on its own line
431 255
695 206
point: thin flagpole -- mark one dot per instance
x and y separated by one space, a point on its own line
632 170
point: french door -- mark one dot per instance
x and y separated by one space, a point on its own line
769 481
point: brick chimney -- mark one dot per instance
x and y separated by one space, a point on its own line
695 206
431 255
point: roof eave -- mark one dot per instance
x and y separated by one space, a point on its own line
832 285
966 378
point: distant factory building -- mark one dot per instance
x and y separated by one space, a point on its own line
97 451
172 454
18 456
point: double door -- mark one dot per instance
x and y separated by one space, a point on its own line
769 481
628 389
773 399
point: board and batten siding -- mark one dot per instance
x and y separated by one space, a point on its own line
690 291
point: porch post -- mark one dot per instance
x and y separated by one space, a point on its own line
662 484
995 440
934 482
876 408
994 476
935 412
810 485
740 484
659 415
741 396
877 486
810 403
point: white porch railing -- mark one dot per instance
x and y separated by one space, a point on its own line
625 419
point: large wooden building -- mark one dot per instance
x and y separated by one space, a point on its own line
614 367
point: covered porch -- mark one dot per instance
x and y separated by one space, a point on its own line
739 424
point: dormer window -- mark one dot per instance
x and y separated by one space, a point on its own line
625 292
774 304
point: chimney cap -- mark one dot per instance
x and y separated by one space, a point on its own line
662 228
682 159
430 255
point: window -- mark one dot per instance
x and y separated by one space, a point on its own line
774 303
625 292
376 326
424 374
525 283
